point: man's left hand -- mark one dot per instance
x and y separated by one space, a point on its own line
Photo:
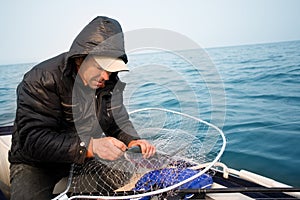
148 149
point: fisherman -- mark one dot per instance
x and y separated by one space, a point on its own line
65 105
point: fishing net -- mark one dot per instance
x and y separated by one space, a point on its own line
184 143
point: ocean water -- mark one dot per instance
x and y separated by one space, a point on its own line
252 92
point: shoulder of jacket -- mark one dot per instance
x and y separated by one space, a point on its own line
46 73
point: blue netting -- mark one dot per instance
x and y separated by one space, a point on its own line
163 178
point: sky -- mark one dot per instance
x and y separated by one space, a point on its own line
32 31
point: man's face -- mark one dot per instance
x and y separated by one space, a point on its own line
92 74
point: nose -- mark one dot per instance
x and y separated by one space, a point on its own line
105 75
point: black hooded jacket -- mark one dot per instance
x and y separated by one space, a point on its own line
57 115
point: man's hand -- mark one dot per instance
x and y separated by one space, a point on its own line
107 148
148 149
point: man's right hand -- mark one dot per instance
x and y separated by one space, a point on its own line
107 148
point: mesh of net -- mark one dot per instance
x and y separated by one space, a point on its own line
181 142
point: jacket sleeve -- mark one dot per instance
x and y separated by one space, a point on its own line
124 130
120 125
38 119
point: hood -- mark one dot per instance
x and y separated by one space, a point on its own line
102 36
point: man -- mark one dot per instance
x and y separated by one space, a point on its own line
64 105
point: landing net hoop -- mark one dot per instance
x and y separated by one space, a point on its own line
177 136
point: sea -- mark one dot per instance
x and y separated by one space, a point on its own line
251 92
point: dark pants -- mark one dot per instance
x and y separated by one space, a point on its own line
28 182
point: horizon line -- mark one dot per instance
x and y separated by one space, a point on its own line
206 48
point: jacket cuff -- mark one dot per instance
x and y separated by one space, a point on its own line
126 138
82 150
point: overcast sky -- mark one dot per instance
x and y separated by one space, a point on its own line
32 31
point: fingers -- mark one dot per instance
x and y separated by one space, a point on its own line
148 149
108 148
119 144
